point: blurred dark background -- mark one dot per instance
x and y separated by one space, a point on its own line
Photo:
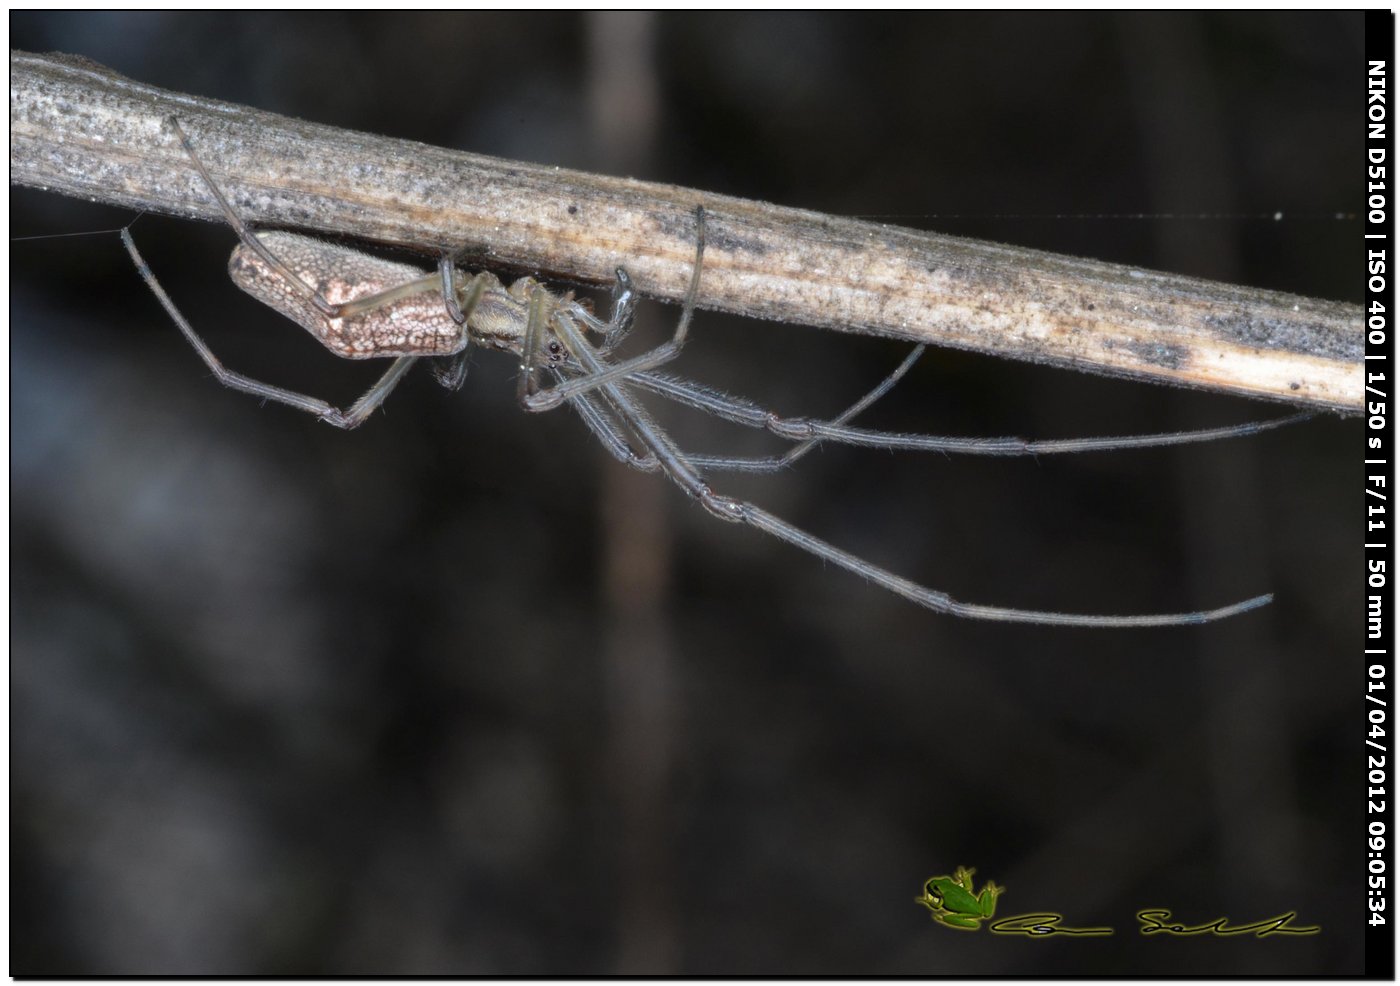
451 694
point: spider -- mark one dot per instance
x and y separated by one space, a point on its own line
360 306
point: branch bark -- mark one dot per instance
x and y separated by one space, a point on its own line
80 129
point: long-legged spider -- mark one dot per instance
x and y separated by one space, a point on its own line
360 306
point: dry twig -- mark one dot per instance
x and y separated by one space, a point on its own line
81 129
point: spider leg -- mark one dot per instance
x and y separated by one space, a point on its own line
809 431
610 435
447 274
678 467
694 395
353 418
740 411
941 602
245 234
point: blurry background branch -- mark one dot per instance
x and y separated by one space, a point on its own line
83 130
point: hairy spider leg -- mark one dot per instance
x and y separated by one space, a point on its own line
668 458
745 412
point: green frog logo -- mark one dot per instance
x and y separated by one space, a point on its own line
952 900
